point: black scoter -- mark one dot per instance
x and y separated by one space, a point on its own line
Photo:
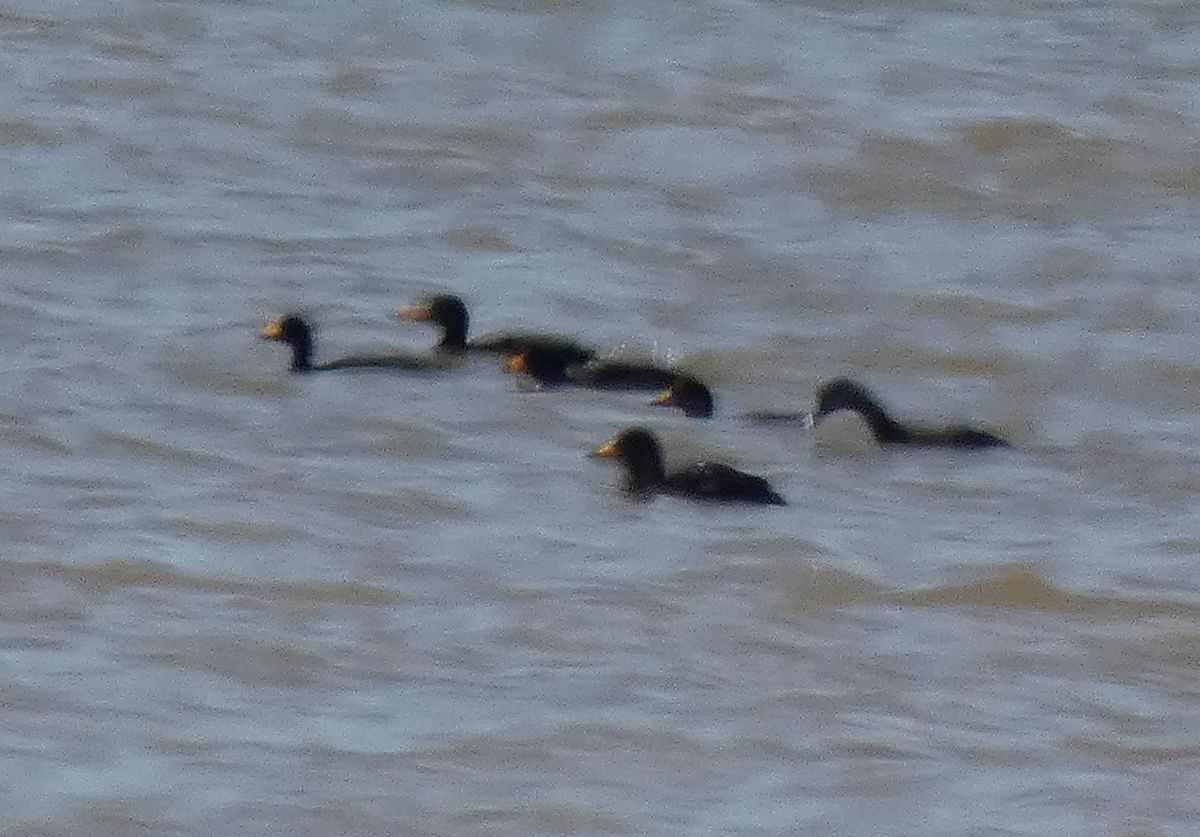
551 369
449 313
845 394
640 455
295 331
688 394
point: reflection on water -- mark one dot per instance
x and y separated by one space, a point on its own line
239 600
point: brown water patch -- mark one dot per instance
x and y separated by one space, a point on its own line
1031 170
1114 460
973 308
127 816
875 750
125 49
628 119
19 432
1023 587
127 573
917 358
121 445
397 508
1135 314
672 753
1177 383
570 180
124 87
479 238
400 439
903 174
436 157
1057 265
190 748
550 819
244 657
1181 181
19 25
20 132
811 587
564 819
522 6
1112 751
334 128
1165 652
230 112
341 592
487 140
693 199
350 81
16 697
823 586
232 531
807 587
1008 136
1036 152
208 375
1182 545
97 499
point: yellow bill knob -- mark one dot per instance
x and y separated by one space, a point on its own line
413 312
518 362
609 450
665 399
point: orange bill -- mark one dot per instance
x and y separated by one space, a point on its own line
518 362
609 450
274 330
413 312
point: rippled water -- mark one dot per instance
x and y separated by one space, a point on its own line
238 601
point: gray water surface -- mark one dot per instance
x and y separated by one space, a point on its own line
234 600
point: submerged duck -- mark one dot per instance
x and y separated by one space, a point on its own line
550 368
449 313
639 453
295 331
845 394
689 395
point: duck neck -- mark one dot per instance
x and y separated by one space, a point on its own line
548 370
454 337
302 356
702 407
885 428
644 474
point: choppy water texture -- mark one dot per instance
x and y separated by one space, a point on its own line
238 601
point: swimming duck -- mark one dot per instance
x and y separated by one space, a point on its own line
551 369
845 394
688 394
449 313
294 331
639 453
